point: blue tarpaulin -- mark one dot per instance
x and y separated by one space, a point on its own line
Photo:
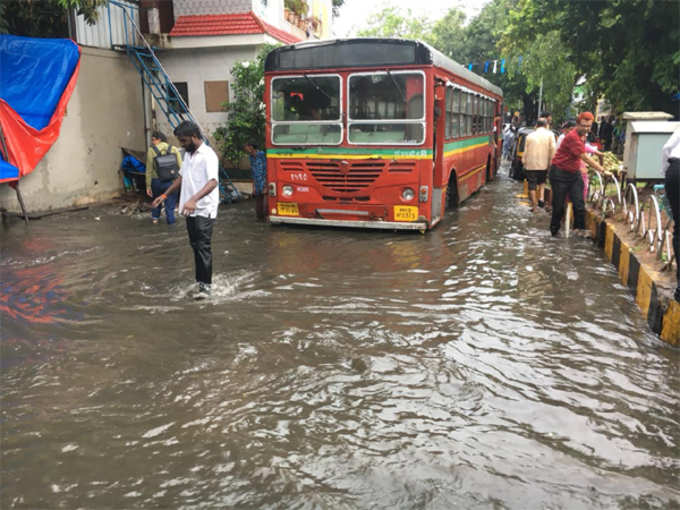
132 164
8 172
37 77
34 74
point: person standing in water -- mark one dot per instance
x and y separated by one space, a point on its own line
199 198
155 186
565 176
258 165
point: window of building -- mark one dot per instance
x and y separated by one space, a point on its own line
216 94
183 90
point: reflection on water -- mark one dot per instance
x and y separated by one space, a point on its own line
481 365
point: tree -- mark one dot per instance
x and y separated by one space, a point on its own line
336 7
628 50
482 36
448 35
545 63
246 113
44 18
396 22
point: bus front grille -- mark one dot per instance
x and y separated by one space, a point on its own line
355 176
404 167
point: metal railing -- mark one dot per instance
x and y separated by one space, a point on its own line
644 219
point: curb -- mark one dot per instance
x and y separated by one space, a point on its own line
662 313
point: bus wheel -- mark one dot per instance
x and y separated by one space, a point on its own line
452 193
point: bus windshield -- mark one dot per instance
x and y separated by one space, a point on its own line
306 110
387 107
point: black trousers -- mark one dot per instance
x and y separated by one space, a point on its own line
261 206
672 186
200 234
565 184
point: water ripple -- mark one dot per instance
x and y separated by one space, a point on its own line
482 365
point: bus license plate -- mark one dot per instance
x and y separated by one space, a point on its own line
287 209
405 213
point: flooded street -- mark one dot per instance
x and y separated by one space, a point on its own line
481 365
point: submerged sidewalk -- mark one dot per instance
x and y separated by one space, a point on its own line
641 272
638 269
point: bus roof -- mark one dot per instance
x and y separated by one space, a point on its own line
367 52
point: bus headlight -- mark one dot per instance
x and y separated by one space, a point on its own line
287 191
407 194
272 189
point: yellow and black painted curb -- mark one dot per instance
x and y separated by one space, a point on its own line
662 314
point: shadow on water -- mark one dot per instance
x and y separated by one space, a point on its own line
481 365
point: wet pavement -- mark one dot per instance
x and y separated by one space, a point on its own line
481 365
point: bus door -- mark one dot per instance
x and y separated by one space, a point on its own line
439 130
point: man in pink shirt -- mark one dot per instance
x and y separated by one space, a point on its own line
565 175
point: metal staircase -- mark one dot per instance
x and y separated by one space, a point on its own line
165 94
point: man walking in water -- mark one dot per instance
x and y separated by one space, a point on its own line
565 176
199 198
539 150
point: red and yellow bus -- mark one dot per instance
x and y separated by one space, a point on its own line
375 133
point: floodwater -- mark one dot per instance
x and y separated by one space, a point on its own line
481 365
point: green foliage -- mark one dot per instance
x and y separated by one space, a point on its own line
336 7
246 113
395 22
448 35
88 8
44 18
299 7
544 60
478 42
628 50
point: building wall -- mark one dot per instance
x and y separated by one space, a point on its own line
323 10
203 7
270 11
195 67
105 113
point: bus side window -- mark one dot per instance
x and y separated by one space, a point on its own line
449 108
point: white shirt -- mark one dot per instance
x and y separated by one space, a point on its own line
197 169
671 149
539 149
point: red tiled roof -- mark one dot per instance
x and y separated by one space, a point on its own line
279 34
228 24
